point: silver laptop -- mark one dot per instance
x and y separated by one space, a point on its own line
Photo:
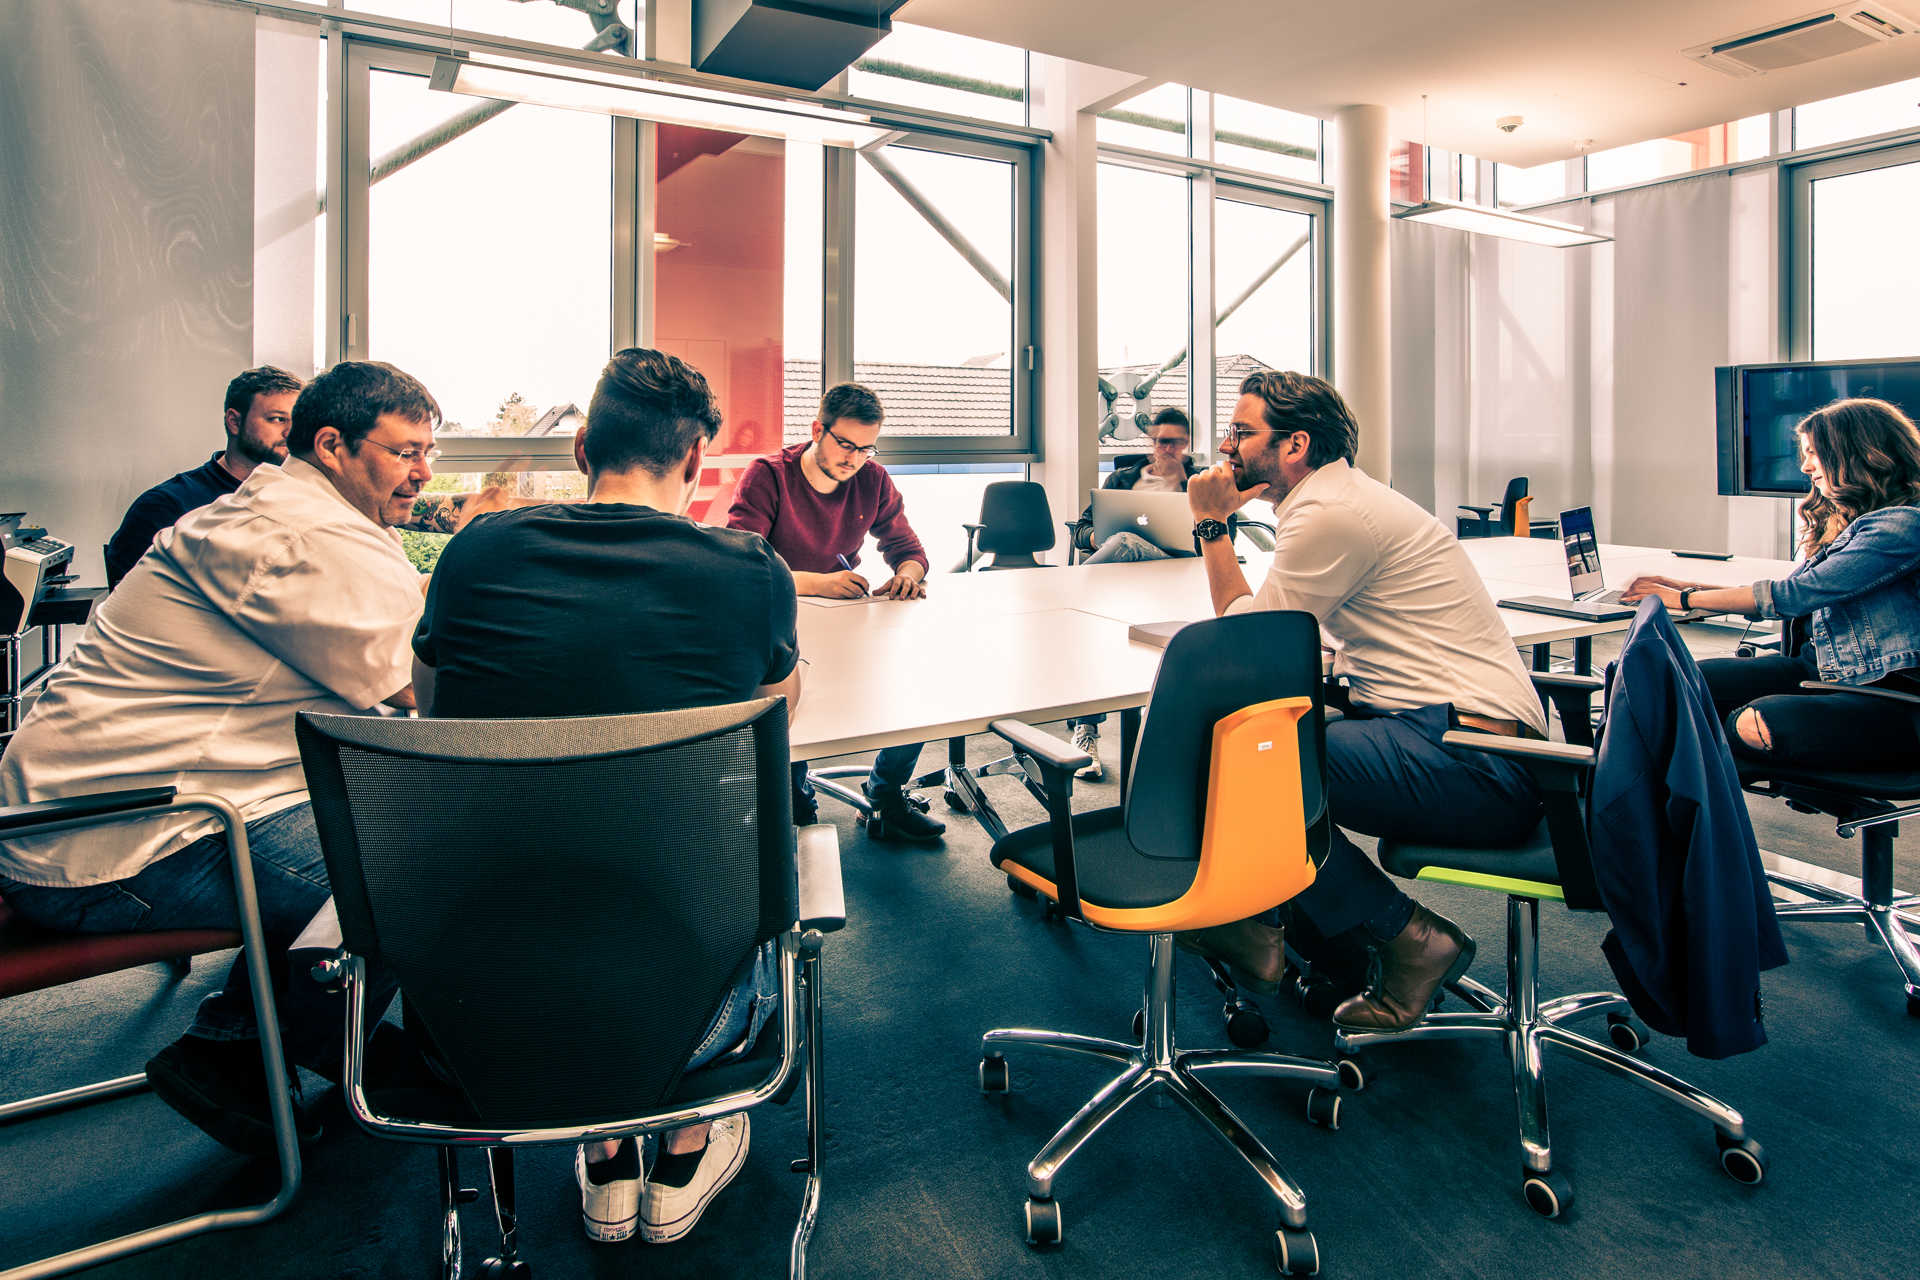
1591 599
1164 519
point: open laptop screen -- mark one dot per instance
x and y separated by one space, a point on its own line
1583 551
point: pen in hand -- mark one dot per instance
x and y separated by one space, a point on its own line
848 566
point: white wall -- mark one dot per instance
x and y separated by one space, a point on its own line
126 250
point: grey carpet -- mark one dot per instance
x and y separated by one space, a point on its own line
925 1177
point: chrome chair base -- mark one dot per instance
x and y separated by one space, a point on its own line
1526 1026
1154 1067
1888 916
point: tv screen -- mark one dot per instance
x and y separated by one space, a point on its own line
1761 404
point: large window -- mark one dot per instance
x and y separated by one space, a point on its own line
1248 135
921 67
1682 152
547 21
487 264
1264 291
1157 120
1145 300
1856 273
1857 115
1543 182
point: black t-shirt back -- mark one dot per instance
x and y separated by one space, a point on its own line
602 609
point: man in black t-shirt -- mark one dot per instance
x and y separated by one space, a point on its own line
613 605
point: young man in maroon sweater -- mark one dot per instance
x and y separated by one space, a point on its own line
816 502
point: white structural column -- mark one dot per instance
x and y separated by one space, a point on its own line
1362 281
1066 97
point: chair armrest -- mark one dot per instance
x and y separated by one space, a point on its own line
971 528
1559 769
1041 745
1525 749
104 804
1888 695
823 900
1567 680
1484 513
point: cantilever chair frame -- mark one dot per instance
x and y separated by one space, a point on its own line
1267 733
80 812
821 909
1520 1020
1887 916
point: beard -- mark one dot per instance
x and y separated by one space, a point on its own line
1255 472
251 447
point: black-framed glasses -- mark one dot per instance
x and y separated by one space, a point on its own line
411 454
1171 442
864 450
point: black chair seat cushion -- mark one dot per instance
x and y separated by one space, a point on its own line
1889 785
1112 873
1531 860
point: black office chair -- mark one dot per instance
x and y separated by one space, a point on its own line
1867 803
563 903
1015 525
1224 815
1509 518
1554 864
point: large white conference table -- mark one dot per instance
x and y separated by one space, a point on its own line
1045 644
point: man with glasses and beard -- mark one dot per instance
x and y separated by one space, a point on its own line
258 413
1422 649
816 502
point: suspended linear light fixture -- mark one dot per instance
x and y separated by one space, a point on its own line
1485 220
661 101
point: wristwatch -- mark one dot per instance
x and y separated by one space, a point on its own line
1686 598
1208 530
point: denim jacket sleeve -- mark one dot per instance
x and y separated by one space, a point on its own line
1876 549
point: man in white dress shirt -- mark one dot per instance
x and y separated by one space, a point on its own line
290 594
1422 649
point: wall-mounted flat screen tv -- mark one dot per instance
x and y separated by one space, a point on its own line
1759 405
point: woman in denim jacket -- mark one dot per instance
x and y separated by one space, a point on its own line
1853 604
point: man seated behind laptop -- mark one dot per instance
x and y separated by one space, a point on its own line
613 605
1423 651
1165 470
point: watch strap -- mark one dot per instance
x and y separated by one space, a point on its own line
1209 529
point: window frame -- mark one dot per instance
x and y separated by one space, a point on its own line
1797 244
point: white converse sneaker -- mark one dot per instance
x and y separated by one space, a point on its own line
608 1210
667 1213
1086 737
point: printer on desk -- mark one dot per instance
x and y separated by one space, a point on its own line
35 590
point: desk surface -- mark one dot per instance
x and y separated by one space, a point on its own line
1045 644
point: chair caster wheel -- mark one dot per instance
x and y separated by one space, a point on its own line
1352 1075
1628 1033
1318 997
1296 1253
1744 1159
993 1075
500 1269
1043 1222
1021 889
954 800
1246 1025
1548 1194
1323 1107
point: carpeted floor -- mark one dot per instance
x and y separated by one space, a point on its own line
925 1177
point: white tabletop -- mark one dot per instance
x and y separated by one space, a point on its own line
1045 644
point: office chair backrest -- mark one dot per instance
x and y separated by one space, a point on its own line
1014 519
563 902
1213 669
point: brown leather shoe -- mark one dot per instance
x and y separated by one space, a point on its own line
1254 950
1430 951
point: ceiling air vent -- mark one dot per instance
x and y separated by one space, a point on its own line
1802 40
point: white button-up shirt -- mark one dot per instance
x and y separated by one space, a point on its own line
277 598
1404 610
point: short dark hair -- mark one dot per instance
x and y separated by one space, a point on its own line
647 411
1171 416
1301 402
850 400
352 397
265 381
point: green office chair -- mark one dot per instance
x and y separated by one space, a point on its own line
1226 811
1555 864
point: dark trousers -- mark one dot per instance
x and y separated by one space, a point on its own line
1813 730
1389 775
892 767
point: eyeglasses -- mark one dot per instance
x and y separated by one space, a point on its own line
411 454
1171 442
864 450
1240 435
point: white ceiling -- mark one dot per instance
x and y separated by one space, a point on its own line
1585 76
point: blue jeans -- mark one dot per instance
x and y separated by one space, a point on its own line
192 888
892 767
1126 548
755 995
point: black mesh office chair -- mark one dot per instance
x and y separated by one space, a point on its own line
1015 526
1510 518
563 903
1867 803
1555 864
1224 817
